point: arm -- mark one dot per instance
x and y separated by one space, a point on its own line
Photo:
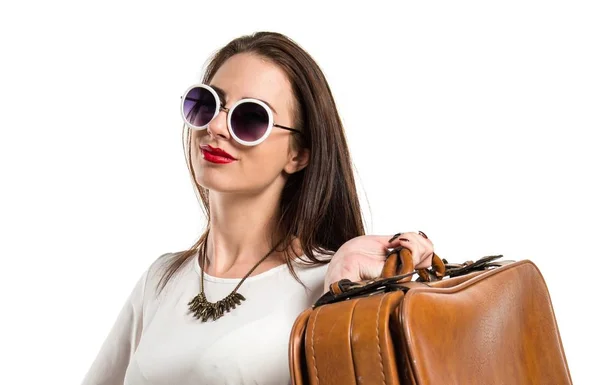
115 354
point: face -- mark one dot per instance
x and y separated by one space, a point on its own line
258 167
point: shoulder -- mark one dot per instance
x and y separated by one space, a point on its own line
310 272
159 264
161 271
323 256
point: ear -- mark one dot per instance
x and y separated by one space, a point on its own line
298 159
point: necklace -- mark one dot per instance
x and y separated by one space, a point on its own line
203 309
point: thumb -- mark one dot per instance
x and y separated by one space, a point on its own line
370 269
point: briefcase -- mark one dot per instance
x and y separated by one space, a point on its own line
483 322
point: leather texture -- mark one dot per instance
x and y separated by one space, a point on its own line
495 326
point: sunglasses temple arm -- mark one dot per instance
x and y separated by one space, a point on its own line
288 128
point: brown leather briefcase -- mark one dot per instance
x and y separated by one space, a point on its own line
487 322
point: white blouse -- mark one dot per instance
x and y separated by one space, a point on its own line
156 341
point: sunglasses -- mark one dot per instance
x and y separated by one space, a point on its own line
250 121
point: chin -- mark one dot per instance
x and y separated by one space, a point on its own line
217 181
212 182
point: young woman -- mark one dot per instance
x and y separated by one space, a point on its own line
267 153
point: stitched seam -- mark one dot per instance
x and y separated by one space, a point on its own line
350 342
312 342
377 334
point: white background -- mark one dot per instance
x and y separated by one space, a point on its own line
475 122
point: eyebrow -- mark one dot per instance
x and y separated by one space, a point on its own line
223 95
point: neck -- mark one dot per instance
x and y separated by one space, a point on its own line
240 233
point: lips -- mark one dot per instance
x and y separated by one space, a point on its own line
217 151
216 155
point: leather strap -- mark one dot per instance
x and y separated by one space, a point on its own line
364 349
399 261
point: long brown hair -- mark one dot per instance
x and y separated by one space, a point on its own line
319 204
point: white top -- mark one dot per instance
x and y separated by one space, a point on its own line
156 341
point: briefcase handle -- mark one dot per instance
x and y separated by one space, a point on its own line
399 263
398 270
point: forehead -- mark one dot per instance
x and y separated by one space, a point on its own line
248 75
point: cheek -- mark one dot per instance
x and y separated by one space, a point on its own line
257 168
266 163
196 137
263 165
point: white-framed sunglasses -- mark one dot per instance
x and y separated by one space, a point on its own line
250 121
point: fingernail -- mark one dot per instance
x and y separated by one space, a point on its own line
404 239
423 235
395 236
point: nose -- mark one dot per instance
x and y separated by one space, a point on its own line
218 126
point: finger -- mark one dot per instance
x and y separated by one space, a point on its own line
420 247
394 237
419 244
385 240
399 234
397 239
416 250
426 262
370 269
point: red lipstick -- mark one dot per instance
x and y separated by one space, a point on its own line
216 155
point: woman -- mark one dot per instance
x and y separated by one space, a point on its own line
266 150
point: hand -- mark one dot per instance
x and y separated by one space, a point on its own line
363 257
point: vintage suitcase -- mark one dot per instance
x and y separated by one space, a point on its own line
483 322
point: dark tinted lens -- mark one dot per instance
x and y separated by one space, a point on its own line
199 106
249 121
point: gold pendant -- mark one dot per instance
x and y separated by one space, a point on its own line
204 310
